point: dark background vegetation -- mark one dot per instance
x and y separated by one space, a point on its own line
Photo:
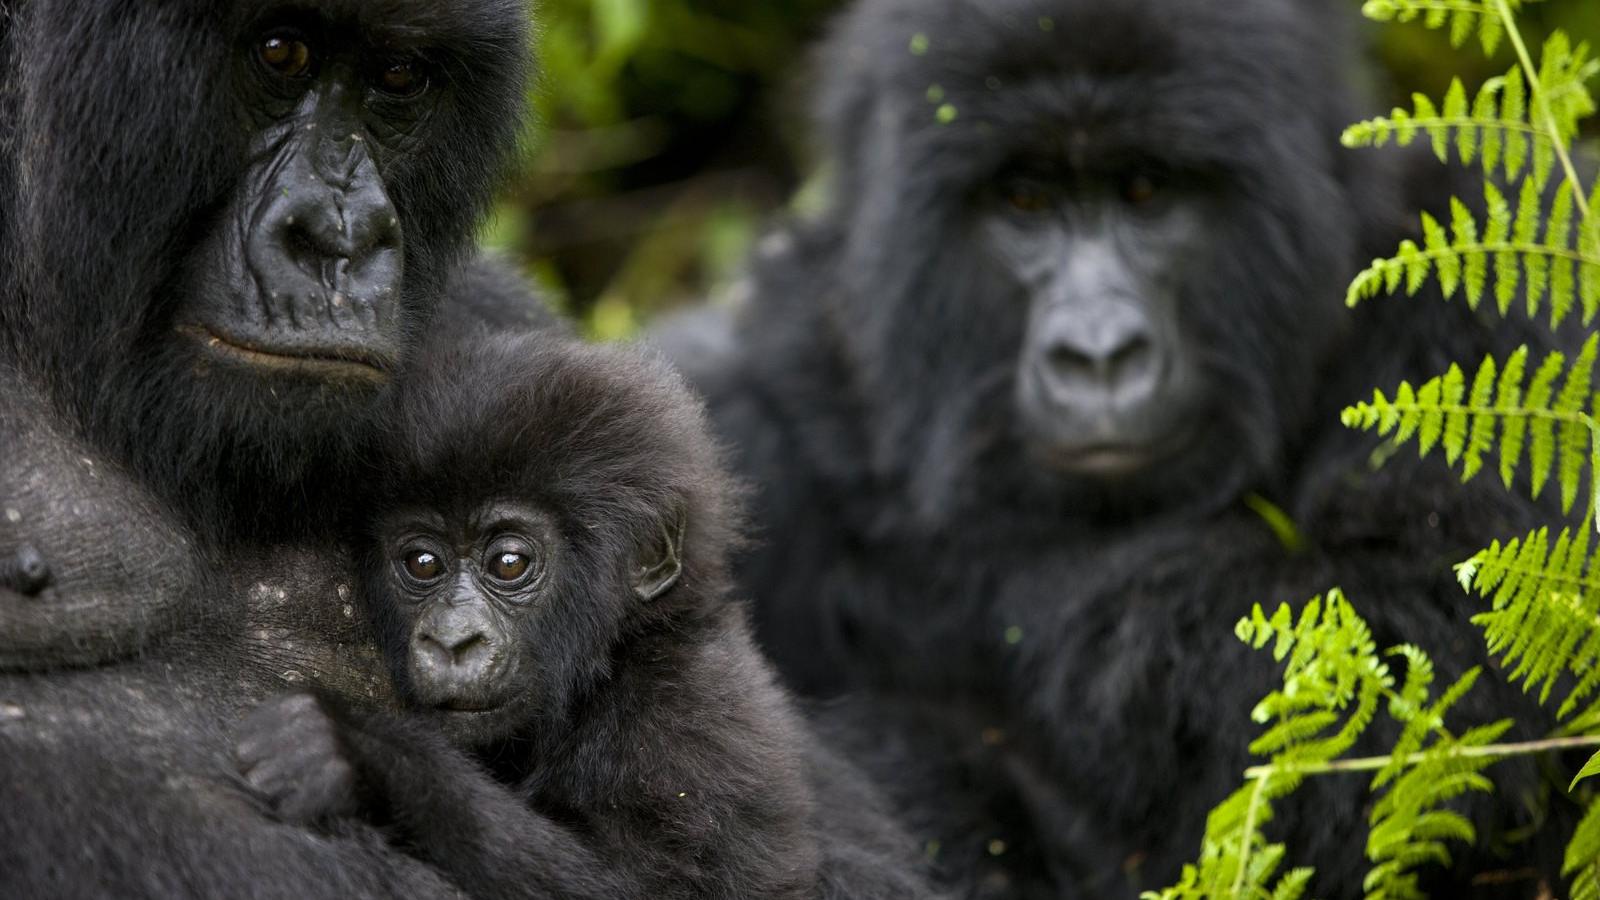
669 130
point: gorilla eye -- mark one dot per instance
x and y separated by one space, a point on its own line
508 566
403 79
1028 199
423 565
1140 190
512 560
285 55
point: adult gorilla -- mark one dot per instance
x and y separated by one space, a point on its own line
1075 300
222 227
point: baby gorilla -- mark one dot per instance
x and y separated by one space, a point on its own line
547 569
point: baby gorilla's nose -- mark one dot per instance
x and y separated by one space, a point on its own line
455 658
453 652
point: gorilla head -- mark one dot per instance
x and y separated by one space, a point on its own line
541 504
221 220
1076 234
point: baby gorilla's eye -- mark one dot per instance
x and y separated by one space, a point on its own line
512 560
403 79
285 54
424 565
508 565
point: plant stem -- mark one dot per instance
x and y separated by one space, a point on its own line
1374 763
1543 104
1248 836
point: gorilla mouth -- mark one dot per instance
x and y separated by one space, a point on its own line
466 705
1116 459
349 362
1105 460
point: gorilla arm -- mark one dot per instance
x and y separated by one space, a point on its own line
314 767
675 780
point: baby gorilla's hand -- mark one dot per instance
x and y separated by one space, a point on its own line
290 753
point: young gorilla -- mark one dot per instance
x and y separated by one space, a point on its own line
548 573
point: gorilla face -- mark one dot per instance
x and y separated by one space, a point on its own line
312 288
482 605
1092 251
229 219
1105 383
538 503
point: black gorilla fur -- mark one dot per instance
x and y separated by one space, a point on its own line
553 517
192 344
1049 647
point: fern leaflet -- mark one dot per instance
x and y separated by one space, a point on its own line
1556 427
1495 130
1582 860
1464 17
1544 620
1552 265
1334 683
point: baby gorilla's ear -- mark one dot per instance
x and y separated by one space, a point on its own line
661 560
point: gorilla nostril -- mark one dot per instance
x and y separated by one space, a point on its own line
470 650
432 653
1066 360
1132 359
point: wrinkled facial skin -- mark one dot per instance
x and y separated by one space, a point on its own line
227 224
303 275
1106 386
468 597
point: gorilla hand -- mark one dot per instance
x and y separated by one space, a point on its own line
290 753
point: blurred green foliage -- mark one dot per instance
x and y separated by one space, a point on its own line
669 130
659 148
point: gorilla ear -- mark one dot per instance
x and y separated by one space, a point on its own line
661 561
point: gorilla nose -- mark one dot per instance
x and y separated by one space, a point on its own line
456 657
1107 356
345 241
327 253
461 653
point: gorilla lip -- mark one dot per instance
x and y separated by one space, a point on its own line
1122 459
353 362
1115 460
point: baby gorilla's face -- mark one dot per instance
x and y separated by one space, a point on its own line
465 598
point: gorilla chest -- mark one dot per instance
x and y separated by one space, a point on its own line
305 625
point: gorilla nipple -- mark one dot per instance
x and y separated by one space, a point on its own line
26 572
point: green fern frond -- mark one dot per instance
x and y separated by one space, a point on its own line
1494 131
1333 682
1409 829
1582 861
1557 428
1565 70
1464 18
1332 664
1544 620
1551 269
